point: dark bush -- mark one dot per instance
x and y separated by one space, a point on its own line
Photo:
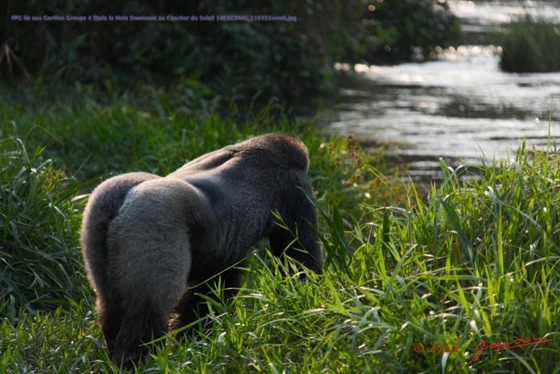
393 28
530 45
285 59
229 59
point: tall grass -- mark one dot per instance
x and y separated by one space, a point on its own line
530 46
409 277
39 262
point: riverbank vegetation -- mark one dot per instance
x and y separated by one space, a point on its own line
397 31
447 282
530 46
193 52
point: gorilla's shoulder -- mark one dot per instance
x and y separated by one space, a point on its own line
279 149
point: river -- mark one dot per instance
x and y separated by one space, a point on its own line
460 107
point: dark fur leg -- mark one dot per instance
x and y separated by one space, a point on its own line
110 316
194 307
140 325
298 240
189 310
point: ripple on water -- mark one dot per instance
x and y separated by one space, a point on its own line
458 107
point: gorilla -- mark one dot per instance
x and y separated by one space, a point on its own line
151 243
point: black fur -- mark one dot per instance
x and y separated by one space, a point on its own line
146 238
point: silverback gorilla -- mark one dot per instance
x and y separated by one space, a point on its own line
151 243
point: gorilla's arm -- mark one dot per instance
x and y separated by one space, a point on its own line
294 235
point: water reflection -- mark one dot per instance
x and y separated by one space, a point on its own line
458 107
487 16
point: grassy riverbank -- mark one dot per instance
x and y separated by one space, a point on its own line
435 283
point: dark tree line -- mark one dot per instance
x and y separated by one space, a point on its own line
284 59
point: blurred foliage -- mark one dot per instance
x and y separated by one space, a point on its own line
394 31
233 60
530 45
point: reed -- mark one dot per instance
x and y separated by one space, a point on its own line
530 46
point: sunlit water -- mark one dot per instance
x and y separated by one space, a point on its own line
460 107
484 16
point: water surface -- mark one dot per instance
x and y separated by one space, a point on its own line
460 107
